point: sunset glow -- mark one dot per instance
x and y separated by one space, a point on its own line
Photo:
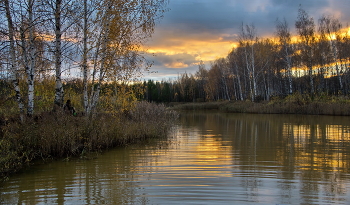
204 30
201 50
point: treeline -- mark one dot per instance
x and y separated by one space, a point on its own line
314 61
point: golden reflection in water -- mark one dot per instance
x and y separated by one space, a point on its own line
202 155
319 146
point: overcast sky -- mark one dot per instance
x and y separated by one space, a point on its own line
203 30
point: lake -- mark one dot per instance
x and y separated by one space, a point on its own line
209 158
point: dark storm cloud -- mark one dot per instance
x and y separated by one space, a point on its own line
218 16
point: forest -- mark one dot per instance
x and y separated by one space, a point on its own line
314 62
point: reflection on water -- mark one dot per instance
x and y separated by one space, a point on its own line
213 158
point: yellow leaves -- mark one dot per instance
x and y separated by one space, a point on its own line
119 98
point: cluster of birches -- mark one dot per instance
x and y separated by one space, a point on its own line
99 40
313 61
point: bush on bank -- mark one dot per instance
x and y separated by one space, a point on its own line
53 135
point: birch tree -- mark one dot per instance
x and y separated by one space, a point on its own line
233 61
23 23
202 79
286 50
27 36
59 94
305 26
247 40
114 42
61 17
329 28
12 57
265 53
222 65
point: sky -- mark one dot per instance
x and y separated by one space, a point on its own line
204 30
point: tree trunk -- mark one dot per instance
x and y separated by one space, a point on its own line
253 73
238 81
59 93
31 66
95 91
289 70
85 53
13 69
312 88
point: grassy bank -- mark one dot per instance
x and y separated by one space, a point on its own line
53 135
293 104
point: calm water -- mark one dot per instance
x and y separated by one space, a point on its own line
211 158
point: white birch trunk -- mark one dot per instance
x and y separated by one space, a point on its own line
311 75
249 72
223 78
335 57
95 91
13 69
85 66
59 94
239 87
289 70
226 89
238 81
253 73
31 66
89 107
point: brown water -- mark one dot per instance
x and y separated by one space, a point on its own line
211 158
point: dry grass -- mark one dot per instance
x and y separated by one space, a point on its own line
58 135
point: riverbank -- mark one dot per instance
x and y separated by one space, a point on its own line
57 135
294 104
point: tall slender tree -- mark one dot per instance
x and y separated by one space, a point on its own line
286 50
329 28
12 55
120 28
29 54
305 26
247 40
61 16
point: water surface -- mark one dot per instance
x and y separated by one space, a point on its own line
211 158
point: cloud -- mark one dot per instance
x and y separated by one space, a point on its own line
216 17
202 46
180 60
195 30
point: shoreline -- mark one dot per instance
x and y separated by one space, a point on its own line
336 108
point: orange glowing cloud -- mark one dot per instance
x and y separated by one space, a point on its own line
176 65
204 48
